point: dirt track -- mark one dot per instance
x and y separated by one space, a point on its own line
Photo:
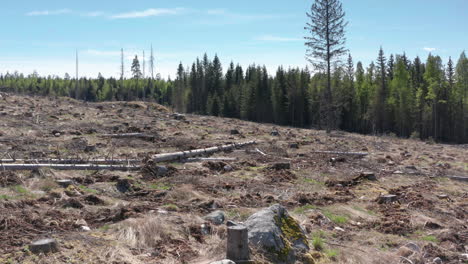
321 191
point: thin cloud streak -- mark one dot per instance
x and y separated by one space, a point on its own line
148 13
49 12
429 49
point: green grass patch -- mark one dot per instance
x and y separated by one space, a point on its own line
311 181
317 242
5 197
160 186
430 239
360 209
337 219
104 228
332 253
303 209
88 190
171 207
19 189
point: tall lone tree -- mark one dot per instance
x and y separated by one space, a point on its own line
136 72
325 45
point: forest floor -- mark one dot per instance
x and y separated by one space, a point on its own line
136 217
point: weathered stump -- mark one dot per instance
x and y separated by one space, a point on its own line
43 246
390 198
237 244
64 183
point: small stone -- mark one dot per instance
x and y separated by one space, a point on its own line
413 247
442 196
205 229
178 116
162 171
216 217
228 168
124 185
369 175
43 246
437 260
464 256
85 228
64 183
337 228
90 148
397 172
275 133
294 145
162 211
432 225
80 222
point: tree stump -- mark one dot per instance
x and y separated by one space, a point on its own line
43 246
64 183
390 198
237 244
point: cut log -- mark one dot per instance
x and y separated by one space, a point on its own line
209 159
237 244
342 153
71 161
198 152
69 167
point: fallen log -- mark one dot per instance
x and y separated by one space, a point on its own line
71 161
209 159
198 152
70 167
342 153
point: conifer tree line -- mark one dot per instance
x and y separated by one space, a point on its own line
394 94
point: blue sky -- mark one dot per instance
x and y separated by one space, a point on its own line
43 35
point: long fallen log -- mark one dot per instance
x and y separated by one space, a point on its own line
183 155
209 159
198 152
72 161
341 153
70 167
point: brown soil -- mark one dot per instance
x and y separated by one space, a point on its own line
325 193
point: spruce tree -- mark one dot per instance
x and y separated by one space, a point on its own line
326 43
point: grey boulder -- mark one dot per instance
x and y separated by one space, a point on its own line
275 232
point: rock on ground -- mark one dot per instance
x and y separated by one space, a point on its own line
216 217
274 231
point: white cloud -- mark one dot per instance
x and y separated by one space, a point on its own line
429 49
49 12
93 14
148 13
276 38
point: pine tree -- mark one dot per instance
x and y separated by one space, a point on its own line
326 43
